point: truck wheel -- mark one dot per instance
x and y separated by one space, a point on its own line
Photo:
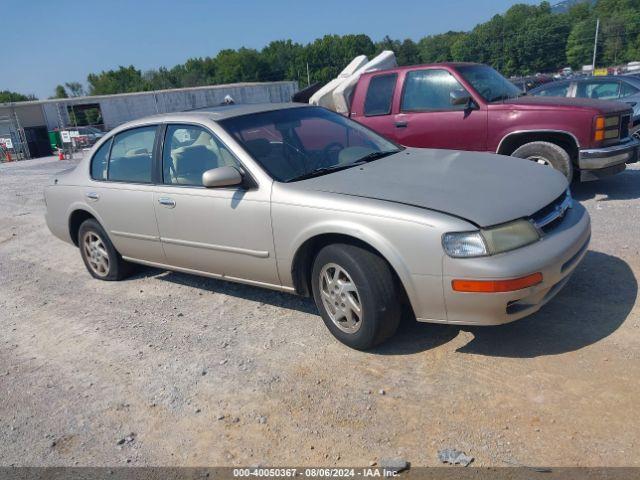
99 255
356 295
547 153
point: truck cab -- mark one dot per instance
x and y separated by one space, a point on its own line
469 106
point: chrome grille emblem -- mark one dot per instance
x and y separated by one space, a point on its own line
558 212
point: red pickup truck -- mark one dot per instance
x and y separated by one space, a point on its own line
468 106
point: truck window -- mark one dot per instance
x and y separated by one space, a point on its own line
429 90
380 95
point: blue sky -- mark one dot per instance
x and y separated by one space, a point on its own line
46 43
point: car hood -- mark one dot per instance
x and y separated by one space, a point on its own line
603 106
483 188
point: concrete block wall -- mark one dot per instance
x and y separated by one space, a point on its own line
118 109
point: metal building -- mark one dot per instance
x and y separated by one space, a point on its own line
27 124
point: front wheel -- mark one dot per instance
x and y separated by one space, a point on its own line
547 153
356 294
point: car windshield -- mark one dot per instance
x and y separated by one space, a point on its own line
297 143
490 84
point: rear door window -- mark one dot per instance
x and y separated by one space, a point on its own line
429 90
380 95
599 90
554 91
131 155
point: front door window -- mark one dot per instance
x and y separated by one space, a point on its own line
189 152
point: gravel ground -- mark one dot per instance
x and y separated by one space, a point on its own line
171 369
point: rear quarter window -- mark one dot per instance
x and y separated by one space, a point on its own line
627 90
99 162
380 95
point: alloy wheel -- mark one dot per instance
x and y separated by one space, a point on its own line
96 254
340 298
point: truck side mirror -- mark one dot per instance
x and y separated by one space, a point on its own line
460 97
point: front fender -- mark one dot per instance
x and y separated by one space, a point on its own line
359 232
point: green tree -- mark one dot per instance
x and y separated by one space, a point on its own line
123 80
437 48
161 79
243 65
60 92
7 96
75 89
327 56
285 60
579 50
407 51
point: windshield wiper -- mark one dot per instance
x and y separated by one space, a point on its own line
370 157
324 170
334 168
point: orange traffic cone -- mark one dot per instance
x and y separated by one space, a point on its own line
60 154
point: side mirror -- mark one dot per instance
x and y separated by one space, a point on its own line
460 97
221 177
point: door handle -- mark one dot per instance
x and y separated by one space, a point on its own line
401 124
92 196
167 202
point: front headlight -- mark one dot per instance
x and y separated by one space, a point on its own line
510 236
464 244
490 241
607 128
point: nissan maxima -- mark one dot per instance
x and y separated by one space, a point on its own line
302 200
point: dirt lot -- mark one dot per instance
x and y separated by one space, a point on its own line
170 369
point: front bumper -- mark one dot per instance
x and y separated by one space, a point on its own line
596 163
555 256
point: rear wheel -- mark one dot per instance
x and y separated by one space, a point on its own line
547 153
356 294
99 255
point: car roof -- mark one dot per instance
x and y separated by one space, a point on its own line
605 78
553 84
423 65
223 112
218 113
235 110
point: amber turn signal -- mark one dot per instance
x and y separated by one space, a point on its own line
496 286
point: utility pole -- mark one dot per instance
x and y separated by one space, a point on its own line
595 48
308 76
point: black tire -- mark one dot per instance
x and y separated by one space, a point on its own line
376 288
117 268
553 154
